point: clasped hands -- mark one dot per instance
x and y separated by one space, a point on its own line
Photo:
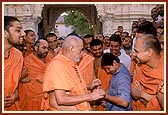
97 91
140 94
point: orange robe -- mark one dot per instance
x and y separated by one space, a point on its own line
86 67
33 90
28 50
149 80
12 73
50 54
132 68
97 64
60 74
105 80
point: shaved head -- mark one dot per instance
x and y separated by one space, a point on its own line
72 47
71 41
150 41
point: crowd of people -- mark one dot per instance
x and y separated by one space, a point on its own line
120 72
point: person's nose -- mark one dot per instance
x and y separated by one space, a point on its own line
23 33
133 55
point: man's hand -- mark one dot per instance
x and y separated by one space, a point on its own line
160 87
96 83
138 94
136 91
10 99
97 94
103 104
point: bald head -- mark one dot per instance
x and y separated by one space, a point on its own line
71 41
150 41
72 47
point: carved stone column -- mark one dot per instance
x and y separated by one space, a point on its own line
113 15
105 15
107 23
28 14
29 22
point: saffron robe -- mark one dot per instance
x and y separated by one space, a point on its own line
29 50
97 65
60 74
12 73
33 90
105 83
50 54
149 80
86 67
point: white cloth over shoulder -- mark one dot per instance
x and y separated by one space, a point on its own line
125 59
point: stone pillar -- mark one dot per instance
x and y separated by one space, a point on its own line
113 15
29 22
28 14
105 15
107 24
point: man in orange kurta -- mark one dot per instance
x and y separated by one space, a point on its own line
13 62
64 78
149 75
36 65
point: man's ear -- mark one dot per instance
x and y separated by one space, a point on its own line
115 63
71 48
150 52
6 34
35 48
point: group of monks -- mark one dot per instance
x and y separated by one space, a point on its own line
43 76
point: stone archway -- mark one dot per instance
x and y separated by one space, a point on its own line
35 16
51 12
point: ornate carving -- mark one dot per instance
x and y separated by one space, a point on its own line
110 15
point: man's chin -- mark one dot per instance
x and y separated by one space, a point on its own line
44 55
77 60
98 56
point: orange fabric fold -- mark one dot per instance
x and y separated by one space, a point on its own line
33 90
97 65
28 50
105 80
45 104
12 73
86 67
149 80
50 54
60 74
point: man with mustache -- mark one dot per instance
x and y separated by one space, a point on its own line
36 65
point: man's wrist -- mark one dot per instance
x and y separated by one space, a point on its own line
142 96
